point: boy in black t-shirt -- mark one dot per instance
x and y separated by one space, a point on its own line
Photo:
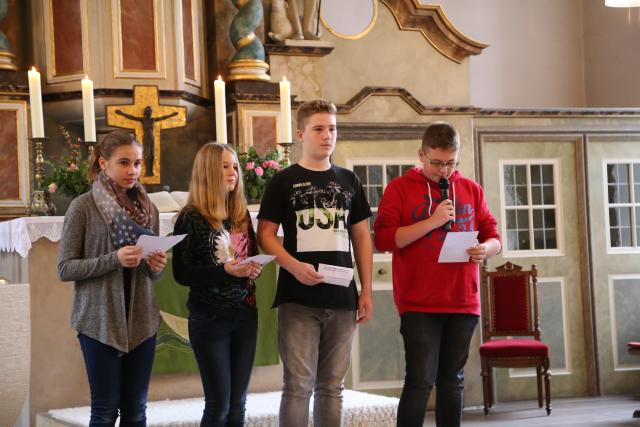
322 209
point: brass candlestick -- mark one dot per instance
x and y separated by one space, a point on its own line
286 146
90 145
40 203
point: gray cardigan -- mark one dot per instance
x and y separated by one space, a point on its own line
88 256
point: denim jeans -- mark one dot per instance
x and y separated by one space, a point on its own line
224 347
436 348
315 347
118 381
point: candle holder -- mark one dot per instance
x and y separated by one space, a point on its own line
40 201
90 145
286 146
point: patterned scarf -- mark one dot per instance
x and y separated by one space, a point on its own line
128 213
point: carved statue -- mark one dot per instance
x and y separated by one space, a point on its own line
286 24
148 142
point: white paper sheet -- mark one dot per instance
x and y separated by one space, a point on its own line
336 275
158 243
261 259
455 246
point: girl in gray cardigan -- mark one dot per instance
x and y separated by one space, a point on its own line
114 309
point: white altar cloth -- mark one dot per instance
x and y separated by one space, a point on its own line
17 235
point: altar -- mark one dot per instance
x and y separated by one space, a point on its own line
28 254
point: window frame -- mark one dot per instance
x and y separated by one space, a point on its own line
557 193
633 204
376 161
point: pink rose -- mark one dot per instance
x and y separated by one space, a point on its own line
275 165
72 167
266 164
52 188
259 171
250 166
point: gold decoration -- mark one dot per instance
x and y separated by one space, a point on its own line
162 117
248 69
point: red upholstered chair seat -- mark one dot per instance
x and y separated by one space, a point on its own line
634 344
514 348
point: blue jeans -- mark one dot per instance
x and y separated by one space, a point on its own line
315 347
118 381
224 347
436 348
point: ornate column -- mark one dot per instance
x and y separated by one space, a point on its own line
7 59
248 61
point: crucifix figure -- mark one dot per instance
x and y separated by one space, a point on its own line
148 142
147 117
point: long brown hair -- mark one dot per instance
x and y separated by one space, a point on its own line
208 192
106 148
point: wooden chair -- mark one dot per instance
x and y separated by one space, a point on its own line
633 348
508 310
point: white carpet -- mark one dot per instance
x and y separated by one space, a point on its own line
359 410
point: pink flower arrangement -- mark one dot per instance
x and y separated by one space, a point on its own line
67 174
271 164
257 171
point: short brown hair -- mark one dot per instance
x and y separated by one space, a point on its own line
440 135
309 108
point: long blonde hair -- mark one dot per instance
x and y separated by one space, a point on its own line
208 191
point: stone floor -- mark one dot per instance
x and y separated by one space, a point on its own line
608 411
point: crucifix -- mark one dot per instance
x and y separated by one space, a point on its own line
146 116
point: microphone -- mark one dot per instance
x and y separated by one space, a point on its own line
444 190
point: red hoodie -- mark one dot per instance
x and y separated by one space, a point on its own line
420 283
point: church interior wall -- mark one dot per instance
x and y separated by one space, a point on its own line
544 54
611 62
380 58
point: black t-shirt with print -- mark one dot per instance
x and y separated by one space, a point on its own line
316 210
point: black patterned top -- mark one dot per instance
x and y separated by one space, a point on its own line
198 262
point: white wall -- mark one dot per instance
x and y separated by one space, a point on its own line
535 57
612 55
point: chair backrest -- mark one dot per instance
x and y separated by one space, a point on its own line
510 302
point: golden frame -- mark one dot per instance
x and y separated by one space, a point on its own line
22 143
50 48
159 46
196 18
246 116
357 36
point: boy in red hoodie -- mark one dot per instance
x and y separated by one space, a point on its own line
439 304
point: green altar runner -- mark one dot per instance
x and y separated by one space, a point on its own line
173 352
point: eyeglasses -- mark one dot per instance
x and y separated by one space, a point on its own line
439 165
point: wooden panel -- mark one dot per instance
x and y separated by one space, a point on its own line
66 19
9 160
187 39
264 133
138 28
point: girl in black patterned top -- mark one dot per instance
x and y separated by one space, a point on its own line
222 305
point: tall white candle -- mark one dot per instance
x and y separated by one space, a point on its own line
88 111
221 111
35 97
285 110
